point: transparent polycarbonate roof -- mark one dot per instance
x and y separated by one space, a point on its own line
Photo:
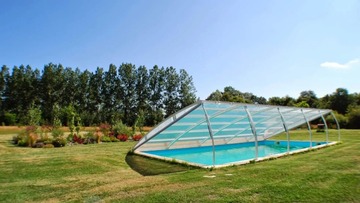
208 123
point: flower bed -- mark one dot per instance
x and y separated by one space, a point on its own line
50 137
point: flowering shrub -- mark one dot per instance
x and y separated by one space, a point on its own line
89 138
137 137
78 139
122 137
48 136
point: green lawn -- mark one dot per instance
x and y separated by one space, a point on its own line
99 173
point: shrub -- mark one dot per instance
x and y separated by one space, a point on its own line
105 139
33 115
89 138
57 132
89 141
44 133
354 118
113 139
70 137
32 139
78 139
90 135
140 121
71 128
9 118
343 120
30 129
59 142
23 142
137 137
122 137
78 128
26 138
120 128
17 138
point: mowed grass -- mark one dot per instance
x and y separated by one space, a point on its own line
99 173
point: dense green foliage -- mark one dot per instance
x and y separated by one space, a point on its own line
63 96
345 105
99 173
133 95
230 94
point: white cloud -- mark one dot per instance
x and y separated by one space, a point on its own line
335 65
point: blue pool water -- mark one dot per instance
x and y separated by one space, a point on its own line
231 153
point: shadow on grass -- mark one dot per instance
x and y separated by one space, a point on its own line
149 167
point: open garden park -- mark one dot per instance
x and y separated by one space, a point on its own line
179 101
104 172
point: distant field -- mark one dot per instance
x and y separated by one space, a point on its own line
10 129
99 173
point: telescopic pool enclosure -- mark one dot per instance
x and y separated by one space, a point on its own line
208 123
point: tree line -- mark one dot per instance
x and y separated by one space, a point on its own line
133 95
345 105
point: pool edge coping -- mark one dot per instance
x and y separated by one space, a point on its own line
243 162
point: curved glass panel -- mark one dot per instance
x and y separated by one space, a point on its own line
228 123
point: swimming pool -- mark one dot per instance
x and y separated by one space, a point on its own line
233 154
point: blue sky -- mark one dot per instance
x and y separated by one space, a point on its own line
269 48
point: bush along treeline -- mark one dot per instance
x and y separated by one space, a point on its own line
346 106
53 136
126 93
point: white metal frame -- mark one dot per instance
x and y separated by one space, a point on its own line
284 113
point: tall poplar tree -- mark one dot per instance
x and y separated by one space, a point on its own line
156 89
4 75
127 77
82 98
109 89
20 91
70 91
130 93
142 89
171 93
52 89
95 103
187 89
